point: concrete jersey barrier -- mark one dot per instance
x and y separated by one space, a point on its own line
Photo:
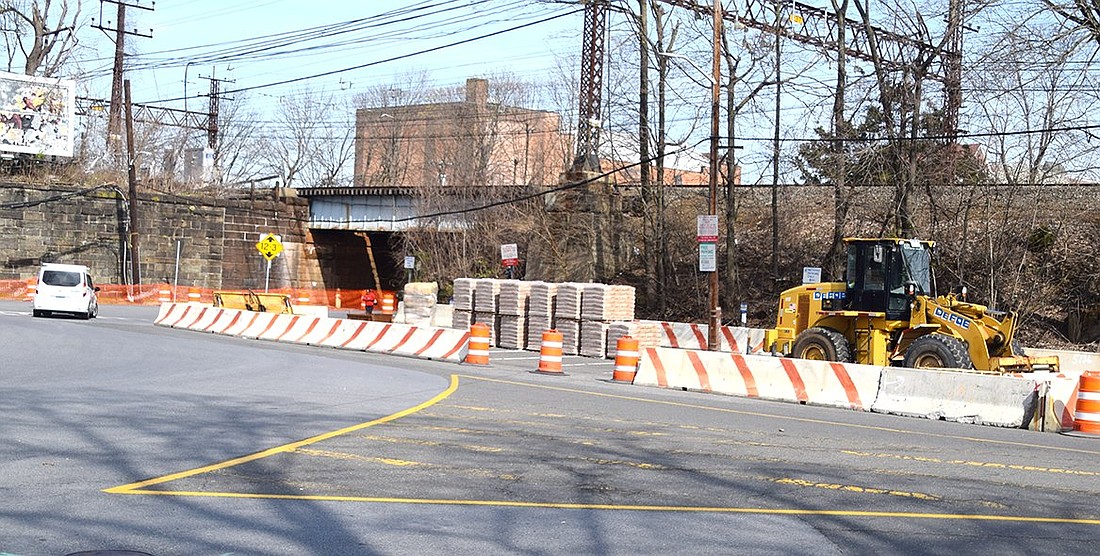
1003 401
416 341
843 385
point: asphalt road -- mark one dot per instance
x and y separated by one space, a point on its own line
120 435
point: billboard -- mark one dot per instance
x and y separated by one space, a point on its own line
36 115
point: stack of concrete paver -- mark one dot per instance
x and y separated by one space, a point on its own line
567 316
419 302
601 305
463 298
512 307
648 334
601 302
486 291
540 312
593 338
513 297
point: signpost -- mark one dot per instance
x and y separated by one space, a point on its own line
270 246
509 258
410 266
811 275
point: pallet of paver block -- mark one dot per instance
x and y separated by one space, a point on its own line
594 338
513 297
486 291
513 332
463 294
567 303
601 302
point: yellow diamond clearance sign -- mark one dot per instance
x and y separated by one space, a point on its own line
270 246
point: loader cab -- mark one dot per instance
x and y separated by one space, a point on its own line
884 274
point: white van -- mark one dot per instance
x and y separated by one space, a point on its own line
65 288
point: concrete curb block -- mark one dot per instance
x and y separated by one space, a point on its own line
1003 401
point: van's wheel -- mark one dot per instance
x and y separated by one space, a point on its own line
938 351
822 344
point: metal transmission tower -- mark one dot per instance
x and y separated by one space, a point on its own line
818 27
215 104
591 87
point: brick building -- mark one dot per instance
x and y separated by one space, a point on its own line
472 142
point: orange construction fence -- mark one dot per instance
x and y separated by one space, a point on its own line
155 294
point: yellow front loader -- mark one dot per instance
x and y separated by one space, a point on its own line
886 313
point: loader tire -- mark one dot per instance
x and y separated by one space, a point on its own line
938 351
822 344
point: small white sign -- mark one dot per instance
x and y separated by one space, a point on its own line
706 228
811 275
410 263
509 251
708 257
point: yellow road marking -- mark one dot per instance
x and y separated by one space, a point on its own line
356 457
629 507
985 464
285 447
784 417
139 488
854 488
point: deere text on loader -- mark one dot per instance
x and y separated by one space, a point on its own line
887 313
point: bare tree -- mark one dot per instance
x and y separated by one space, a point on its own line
241 146
302 133
39 35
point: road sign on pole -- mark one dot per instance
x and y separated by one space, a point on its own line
269 246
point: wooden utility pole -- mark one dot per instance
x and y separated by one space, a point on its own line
131 176
114 116
651 214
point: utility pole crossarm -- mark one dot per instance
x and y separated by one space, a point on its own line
818 27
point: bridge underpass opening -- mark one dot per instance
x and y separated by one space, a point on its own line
345 259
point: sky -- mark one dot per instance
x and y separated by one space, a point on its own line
258 44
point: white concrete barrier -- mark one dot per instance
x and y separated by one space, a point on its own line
1004 401
424 342
321 331
166 310
205 318
258 325
1069 361
812 382
280 327
686 335
1060 398
738 339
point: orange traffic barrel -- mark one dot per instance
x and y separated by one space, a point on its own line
626 360
550 353
164 294
303 297
477 352
1087 417
388 305
32 289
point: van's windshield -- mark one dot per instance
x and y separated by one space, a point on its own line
61 278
